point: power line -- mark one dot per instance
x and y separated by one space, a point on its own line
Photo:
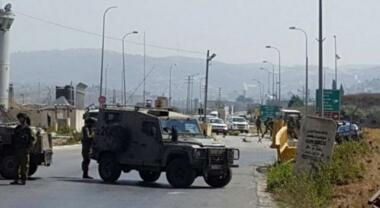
108 37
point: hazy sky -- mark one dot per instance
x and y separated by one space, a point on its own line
237 30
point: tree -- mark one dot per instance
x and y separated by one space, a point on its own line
295 101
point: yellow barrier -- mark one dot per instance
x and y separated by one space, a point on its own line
284 151
277 125
206 128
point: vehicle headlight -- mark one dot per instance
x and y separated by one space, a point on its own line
200 153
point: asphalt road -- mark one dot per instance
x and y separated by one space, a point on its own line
61 185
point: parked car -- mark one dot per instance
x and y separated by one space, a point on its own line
236 123
346 131
218 126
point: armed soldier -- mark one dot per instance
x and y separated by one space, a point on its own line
87 138
258 127
22 143
268 127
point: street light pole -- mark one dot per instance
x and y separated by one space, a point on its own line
261 85
264 69
279 71
273 74
208 60
336 63
124 78
170 84
306 101
102 56
320 81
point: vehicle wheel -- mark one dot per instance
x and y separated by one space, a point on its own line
109 169
149 176
180 174
8 168
32 168
219 181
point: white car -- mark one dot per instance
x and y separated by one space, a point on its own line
236 123
218 125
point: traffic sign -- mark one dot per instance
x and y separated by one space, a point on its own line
267 111
331 101
102 100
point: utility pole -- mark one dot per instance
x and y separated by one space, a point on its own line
336 63
208 60
220 94
188 95
320 81
144 66
170 85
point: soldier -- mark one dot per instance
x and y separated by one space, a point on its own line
268 126
258 127
22 143
87 138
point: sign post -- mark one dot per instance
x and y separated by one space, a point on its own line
267 111
316 143
331 103
102 101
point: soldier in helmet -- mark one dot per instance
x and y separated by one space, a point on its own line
87 138
22 143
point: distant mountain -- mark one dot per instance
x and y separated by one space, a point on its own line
61 67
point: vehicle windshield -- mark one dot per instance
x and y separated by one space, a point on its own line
216 121
183 126
238 119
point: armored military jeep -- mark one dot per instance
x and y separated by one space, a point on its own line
41 153
152 141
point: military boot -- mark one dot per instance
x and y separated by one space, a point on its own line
15 182
86 176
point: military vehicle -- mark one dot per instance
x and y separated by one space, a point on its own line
153 141
41 153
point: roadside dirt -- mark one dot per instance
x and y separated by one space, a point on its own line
357 193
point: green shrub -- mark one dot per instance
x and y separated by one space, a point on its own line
315 189
278 175
346 164
303 190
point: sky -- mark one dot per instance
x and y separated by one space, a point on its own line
236 30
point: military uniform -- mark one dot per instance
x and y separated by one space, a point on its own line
258 127
22 143
87 138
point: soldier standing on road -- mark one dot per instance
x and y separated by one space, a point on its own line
22 143
268 126
87 138
258 127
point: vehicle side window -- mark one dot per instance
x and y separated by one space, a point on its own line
111 118
149 128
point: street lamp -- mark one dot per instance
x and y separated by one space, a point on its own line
260 89
123 78
279 71
264 69
306 68
102 57
273 74
208 60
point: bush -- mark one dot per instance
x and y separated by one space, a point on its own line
315 189
346 164
303 190
278 175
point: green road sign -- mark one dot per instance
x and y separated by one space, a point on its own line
331 100
267 111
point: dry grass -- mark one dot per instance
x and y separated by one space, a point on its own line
357 193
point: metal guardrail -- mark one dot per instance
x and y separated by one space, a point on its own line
374 201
